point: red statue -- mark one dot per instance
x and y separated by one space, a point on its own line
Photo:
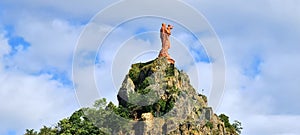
165 33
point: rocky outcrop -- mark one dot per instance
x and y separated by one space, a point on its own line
161 100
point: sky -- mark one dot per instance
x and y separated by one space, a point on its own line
259 40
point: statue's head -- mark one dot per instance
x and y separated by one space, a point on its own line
170 26
163 24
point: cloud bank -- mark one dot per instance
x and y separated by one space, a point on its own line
259 38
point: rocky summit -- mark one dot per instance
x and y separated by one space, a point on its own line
160 100
155 99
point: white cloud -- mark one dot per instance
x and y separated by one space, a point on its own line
272 124
76 10
265 104
271 94
52 43
32 101
4 47
203 79
27 100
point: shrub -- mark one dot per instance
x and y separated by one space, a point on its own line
237 126
209 125
225 119
170 70
232 128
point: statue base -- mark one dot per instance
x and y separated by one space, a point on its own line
170 60
164 54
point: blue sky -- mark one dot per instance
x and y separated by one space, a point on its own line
260 41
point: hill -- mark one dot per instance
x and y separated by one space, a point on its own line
155 98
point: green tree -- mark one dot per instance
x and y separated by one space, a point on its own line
237 126
47 131
30 132
109 118
77 124
225 119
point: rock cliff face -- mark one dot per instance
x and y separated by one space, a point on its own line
160 100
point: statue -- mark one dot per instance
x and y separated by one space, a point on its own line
165 33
